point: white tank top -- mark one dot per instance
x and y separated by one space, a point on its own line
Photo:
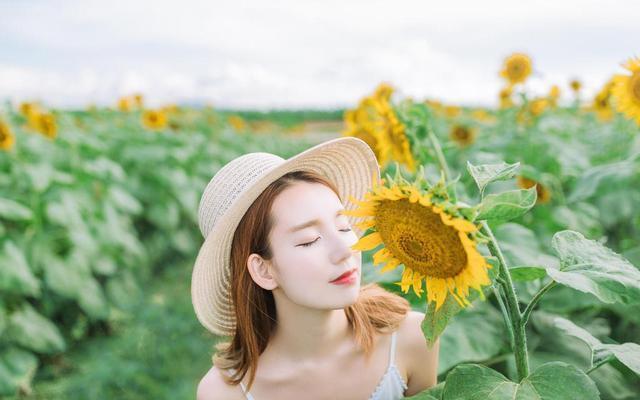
390 387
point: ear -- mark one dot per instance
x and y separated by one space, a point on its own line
261 272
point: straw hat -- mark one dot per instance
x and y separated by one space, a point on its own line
348 162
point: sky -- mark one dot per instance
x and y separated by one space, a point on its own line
303 54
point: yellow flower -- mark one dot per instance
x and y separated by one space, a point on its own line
138 100
29 109
383 91
537 106
482 116
505 97
516 68
237 123
125 104
432 245
392 137
602 102
462 135
7 139
626 90
452 111
576 85
375 122
170 109
153 119
544 195
359 124
44 123
554 95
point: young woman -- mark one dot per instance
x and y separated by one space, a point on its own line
277 274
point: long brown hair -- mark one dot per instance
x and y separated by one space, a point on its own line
376 309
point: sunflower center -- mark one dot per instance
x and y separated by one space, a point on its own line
418 238
461 132
634 86
516 69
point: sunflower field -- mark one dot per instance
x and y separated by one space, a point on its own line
515 229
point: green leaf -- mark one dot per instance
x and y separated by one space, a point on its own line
487 173
550 381
14 211
588 183
92 300
124 201
15 273
526 273
626 353
33 331
590 267
507 205
17 368
463 347
434 321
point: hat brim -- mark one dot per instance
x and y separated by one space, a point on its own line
348 162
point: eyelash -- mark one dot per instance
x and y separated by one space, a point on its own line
310 243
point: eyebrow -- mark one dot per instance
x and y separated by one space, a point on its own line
310 223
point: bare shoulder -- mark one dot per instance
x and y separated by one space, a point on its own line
420 359
213 387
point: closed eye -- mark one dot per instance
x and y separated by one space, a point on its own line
310 243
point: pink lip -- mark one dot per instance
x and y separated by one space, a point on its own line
347 277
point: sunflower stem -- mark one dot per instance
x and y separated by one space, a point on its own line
505 316
519 333
535 300
438 149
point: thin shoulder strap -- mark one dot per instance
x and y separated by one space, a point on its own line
392 351
244 388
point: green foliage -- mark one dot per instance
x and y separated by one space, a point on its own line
551 381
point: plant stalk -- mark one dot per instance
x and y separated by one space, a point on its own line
519 334
535 300
438 149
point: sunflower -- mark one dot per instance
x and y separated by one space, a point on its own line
602 102
543 193
124 104
505 97
537 106
6 136
28 109
44 123
452 111
554 95
516 68
431 244
392 136
376 122
153 119
383 91
138 100
626 90
575 85
358 125
462 135
237 123
482 116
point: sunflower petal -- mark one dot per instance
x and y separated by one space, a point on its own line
368 242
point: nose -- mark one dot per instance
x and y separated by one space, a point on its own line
341 250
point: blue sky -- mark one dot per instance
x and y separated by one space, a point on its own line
264 54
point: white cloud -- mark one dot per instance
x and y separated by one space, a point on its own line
296 54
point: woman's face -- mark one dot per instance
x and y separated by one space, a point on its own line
306 259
